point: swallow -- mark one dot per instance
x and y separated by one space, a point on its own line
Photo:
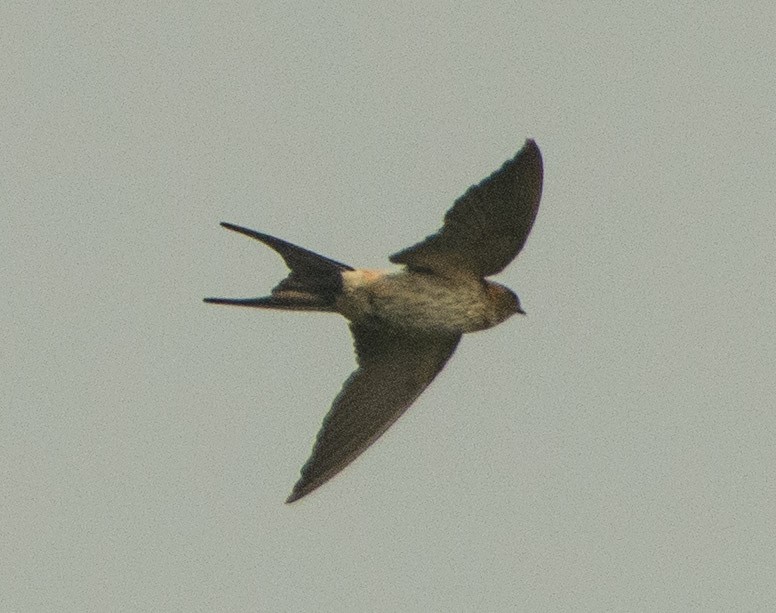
406 323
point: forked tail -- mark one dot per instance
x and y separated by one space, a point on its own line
312 285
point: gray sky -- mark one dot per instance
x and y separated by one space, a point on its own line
614 450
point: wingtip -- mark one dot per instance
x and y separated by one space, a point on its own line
297 493
305 486
531 155
530 145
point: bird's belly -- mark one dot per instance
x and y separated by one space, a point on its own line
424 302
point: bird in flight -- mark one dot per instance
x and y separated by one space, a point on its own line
407 323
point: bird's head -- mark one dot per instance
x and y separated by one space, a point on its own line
504 302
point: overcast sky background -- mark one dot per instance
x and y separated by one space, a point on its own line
613 450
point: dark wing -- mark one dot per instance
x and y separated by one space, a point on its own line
488 225
393 369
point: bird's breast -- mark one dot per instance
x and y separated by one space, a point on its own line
420 301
